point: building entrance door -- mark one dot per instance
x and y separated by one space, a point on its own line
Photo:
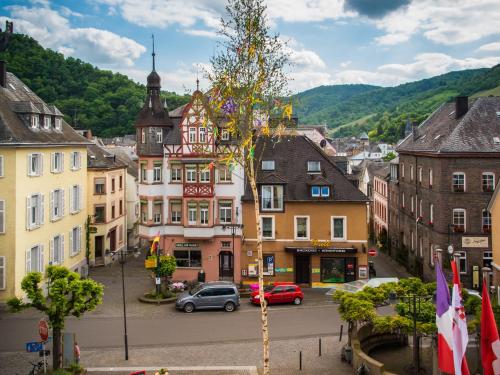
302 269
226 271
112 240
99 246
350 269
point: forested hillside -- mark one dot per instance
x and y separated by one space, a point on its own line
105 102
383 112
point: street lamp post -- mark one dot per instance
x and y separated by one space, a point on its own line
234 228
123 258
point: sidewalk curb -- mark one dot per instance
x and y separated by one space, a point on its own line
252 370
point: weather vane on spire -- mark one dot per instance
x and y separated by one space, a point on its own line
153 54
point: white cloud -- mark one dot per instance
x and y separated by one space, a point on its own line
345 64
306 10
442 21
54 31
198 32
490 47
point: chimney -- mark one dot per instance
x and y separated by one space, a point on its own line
461 106
3 73
414 129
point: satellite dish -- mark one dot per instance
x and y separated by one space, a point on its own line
322 143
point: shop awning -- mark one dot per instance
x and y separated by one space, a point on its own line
317 250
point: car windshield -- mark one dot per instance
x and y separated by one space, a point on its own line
195 290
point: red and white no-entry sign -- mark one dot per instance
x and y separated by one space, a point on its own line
43 330
372 252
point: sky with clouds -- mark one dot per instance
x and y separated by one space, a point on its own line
381 42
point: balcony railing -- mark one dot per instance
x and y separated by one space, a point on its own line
198 190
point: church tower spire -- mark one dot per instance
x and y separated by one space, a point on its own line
153 54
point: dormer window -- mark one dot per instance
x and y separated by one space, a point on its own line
159 136
46 122
313 166
268 165
320 191
35 121
224 135
58 125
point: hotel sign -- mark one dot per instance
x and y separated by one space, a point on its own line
314 250
186 244
475 242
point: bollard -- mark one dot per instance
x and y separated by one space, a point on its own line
320 346
300 360
341 330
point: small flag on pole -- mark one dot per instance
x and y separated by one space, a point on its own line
155 244
490 344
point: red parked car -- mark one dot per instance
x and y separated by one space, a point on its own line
279 294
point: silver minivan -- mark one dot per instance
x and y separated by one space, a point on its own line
211 295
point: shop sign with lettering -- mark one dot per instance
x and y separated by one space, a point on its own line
186 244
331 250
321 243
474 241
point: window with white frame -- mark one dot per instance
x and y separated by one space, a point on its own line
58 124
100 185
267 227
47 122
431 178
144 172
34 211
76 160
224 135
431 214
187 258
268 165
175 173
34 259
56 204
463 262
204 213
272 197
411 203
192 135
157 172
56 255
192 213
144 212
486 221
402 166
458 182
403 199
302 227
205 174
432 255
2 166
320 191
35 164
175 211
225 212
143 135
3 271
75 240
57 162
488 181
487 259
190 173
411 172
313 166
339 228
75 198
157 210
420 209
459 220
225 174
159 136
420 174
35 121
202 134
2 216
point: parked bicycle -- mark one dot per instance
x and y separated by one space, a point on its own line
37 368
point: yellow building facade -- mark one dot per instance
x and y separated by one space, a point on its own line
106 205
494 209
43 185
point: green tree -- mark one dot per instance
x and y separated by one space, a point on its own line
248 82
167 265
67 294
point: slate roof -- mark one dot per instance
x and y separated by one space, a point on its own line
128 157
99 158
291 154
442 133
16 100
380 169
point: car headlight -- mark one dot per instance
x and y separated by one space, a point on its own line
257 296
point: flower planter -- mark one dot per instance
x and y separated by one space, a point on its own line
160 301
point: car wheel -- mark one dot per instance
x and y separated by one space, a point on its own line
188 307
297 301
229 307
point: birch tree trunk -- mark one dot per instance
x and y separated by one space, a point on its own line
260 262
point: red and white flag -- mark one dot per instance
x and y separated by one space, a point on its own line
460 336
490 344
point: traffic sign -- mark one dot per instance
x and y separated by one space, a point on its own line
33 347
372 252
158 281
43 329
